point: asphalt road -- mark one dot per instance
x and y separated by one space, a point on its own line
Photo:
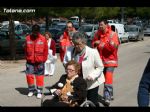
133 58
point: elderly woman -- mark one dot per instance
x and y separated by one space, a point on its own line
70 90
52 57
91 65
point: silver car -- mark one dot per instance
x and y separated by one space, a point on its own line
135 32
89 29
147 30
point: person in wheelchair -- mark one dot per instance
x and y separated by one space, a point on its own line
70 90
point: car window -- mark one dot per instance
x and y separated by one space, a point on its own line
18 28
113 28
24 27
4 27
86 28
148 26
4 35
95 28
132 29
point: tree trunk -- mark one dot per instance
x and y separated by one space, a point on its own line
80 16
47 23
12 38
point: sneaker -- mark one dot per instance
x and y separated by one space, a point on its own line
30 94
39 95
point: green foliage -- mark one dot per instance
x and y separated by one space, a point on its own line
83 12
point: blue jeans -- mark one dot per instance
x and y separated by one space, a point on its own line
144 90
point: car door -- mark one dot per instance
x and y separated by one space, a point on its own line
4 42
95 28
18 29
26 29
20 40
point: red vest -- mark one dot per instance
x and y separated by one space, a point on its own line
36 50
108 47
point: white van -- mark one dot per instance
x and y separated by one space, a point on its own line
55 19
119 29
7 22
74 19
110 21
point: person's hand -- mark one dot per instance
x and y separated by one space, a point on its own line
58 92
89 78
97 42
65 98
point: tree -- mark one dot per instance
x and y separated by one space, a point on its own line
12 38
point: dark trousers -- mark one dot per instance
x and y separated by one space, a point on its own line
54 103
144 90
92 95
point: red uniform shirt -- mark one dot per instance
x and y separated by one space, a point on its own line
36 49
108 47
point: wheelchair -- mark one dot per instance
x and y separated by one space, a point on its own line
86 103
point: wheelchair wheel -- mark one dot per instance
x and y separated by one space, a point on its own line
87 103
46 97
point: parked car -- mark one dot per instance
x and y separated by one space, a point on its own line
42 31
139 24
147 30
76 25
55 33
89 29
53 24
57 40
42 25
20 29
110 21
61 26
135 32
7 22
120 30
74 19
5 43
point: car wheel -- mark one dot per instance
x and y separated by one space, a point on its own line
137 38
142 38
120 41
127 39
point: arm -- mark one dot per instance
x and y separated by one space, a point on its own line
68 55
45 49
53 47
65 60
111 45
61 80
95 39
